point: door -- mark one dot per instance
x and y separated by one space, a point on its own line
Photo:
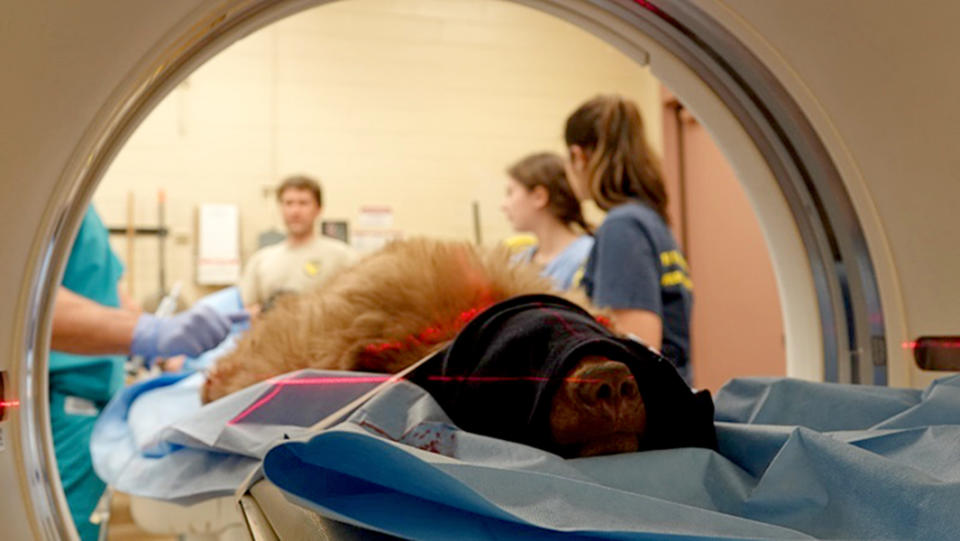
737 327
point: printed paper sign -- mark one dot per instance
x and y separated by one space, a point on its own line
218 250
373 217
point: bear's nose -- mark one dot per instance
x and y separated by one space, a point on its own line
606 385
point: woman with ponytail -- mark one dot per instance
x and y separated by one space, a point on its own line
539 200
635 267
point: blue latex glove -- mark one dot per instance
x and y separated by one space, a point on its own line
189 333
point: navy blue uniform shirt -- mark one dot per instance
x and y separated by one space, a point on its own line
635 264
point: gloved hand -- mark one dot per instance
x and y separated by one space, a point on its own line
189 333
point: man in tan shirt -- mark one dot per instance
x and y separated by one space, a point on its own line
301 261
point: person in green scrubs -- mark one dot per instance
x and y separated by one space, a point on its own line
92 334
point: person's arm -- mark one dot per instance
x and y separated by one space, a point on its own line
643 324
127 302
83 326
627 280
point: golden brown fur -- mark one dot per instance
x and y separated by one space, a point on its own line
381 315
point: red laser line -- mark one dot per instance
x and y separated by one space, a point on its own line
945 344
431 335
279 385
381 379
331 381
499 379
435 333
484 379
9 403
255 406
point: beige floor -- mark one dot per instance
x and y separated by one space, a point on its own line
122 527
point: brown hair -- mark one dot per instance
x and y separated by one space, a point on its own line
301 182
546 169
621 167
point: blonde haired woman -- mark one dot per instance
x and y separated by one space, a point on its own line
635 267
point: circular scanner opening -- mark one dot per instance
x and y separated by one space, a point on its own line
830 299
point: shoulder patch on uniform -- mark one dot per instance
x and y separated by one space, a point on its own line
676 277
673 258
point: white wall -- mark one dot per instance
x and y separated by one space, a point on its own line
415 104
